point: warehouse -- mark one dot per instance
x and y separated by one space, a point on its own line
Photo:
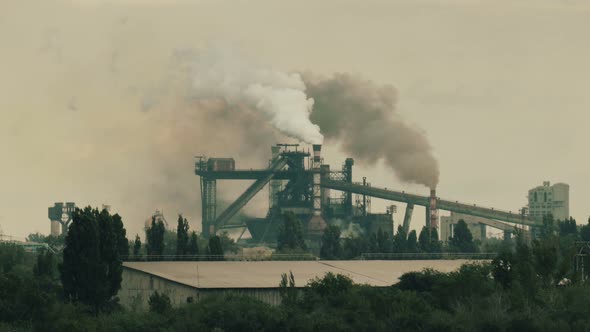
191 281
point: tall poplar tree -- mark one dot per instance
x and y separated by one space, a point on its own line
182 236
155 238
91 269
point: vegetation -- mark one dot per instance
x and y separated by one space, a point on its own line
155 238
182 236
462 240
530 286
215 248
92 266
290 238
331 248
136 246
193 245
52 241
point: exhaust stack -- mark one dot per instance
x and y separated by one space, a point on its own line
433 209
317 224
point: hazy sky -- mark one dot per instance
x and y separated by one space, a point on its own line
499 87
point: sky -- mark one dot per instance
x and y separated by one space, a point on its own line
90 109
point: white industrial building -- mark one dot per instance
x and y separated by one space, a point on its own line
191 281
549 199
476 225
542 200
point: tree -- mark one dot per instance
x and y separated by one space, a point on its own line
383 242
435 244
462 240
193 246
182 236
549 228
400 240
287 289
112 235
155 238
412 243
215 247
136 246
331 248
568 227
585 231
428 240
121 236
424 240
91 271
227 243
290 236
354 246
53 241
45 265
159 303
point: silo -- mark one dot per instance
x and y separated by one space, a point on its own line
560 201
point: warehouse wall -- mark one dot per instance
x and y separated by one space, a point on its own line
137 287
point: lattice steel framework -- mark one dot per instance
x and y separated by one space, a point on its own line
209 205
583 251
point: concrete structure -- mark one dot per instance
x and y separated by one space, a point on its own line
60 216
476 225
549 199
191 281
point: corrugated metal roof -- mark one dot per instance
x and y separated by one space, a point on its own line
267 274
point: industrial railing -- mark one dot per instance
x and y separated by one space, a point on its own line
227 257
428 256
308 257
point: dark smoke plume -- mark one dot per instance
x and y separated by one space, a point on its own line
361 116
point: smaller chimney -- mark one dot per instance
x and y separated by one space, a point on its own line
433 209
317 150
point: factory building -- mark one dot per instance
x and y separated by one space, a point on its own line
476 225
296 181
549 199
319 195
186 282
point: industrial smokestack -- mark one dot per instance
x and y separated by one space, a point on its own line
317 150
317 224
433 209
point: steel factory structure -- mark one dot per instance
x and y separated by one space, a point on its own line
300 182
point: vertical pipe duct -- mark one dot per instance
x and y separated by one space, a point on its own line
317 163
275 185
408 217
325 174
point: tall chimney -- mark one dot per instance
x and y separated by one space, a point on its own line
316 225
433 209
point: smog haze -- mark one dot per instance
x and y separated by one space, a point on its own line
101 101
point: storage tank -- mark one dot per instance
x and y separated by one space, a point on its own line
561 198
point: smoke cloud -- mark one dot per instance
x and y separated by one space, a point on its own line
361 116
280 97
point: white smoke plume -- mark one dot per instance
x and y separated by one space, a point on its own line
217 73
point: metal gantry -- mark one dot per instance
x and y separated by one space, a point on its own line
583 251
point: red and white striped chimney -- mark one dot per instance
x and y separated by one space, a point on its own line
433 209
